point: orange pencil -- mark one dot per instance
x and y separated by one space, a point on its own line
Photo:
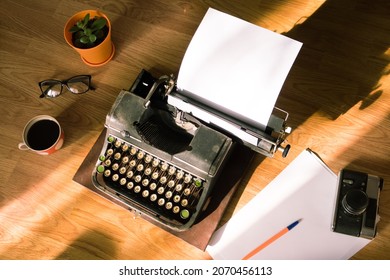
272 239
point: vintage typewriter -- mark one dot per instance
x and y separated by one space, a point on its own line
162 161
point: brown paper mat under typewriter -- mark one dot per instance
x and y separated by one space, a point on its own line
199 234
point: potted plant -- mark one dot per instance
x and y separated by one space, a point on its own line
89 33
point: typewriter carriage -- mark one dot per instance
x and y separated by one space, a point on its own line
270 140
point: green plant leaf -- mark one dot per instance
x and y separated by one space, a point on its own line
79 25
74 29
86 19
88 32
98 24
92 38
84 39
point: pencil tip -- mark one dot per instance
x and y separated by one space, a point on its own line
294 224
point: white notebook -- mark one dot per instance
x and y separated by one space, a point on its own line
306 190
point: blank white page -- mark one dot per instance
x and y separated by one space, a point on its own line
237 66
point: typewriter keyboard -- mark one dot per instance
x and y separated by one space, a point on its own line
159 186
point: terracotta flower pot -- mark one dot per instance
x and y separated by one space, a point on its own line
95 56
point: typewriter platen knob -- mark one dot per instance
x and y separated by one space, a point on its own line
284 150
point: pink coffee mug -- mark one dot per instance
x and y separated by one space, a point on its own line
43 135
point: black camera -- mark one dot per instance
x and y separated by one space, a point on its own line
357 203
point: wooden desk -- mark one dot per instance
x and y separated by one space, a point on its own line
337 94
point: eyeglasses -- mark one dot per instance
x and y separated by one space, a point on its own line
77 84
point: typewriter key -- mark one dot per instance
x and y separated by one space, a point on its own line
107 173
198 182
140 167
153 197
176 209
137 178
130 185
160 190
155 162
155 175
115 177
145 182
184 202
163 180
132 163
148 171
110 139
140 155
187 191
115 166
122 170
118 143
125 147
100 169
130 174
122 181
176 198
125 160
117 156
164 166
161 201
107 162
168 194
184 214
179 187
171 184
148 158
110 152
187 178
137 189
145 193
179 175
133 151
171 170
102 158
168 205
152 186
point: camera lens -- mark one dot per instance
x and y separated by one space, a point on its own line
355 202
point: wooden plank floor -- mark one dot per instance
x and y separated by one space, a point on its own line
337 94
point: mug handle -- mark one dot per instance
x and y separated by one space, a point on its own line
23 147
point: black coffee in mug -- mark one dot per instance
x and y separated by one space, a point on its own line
43 134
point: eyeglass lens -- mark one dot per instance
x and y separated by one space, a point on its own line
51 88
77 85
